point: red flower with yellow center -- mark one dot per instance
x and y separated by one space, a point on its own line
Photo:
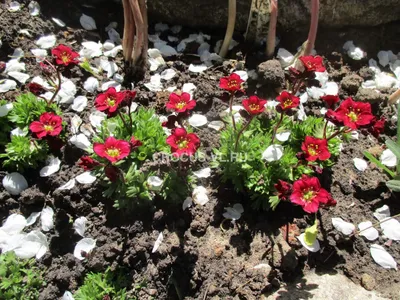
180 103
182 142
109 101
313 63
232 83
254 105
287 101
64 55
112 149
315 149
308 193
331 100
354 114
49 124
88 163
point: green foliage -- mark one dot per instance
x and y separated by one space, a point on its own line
177 187
19 279
98 285
5 127
249 173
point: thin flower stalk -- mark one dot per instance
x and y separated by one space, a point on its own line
394 97
276 128
241 132
230 28
312 34
231 110
272 27
376 224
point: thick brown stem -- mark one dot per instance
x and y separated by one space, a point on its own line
394 97
143 10
272 27
312 34
129 31
229 29
138 44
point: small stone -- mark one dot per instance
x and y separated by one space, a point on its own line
366 73
271 73
152 292
351 83
218 251
369 95
368 282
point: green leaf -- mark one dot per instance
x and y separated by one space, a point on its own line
394 147
394 185
274 201
311 234
372 159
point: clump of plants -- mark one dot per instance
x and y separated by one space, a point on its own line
132 154
19 279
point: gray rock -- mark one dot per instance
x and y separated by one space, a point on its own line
351 83
271 73
368 282
369 95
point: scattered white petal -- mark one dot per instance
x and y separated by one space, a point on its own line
19 132
187 203
283 136
80 141
158 242
91 85
67 186
105 86
14 65
5 109
383 57
165 49
344 227
155 183
84 246
14 6
216 125
86 178
118 78
315 247
52 167
32 218
76 122
203 173
395 67
168 74
34 244
34 8
391 229
87 22
67 92
155 59
58 22
197 68
197 120
189 88
108 66
236 112
273 153
233 213
111 25
46 42
360 164
176 28
354 135
371 233
46 218
322 77
353 51
67 296
155 84
96 118
285 57
80 226
79 104
382 213
200 196
161 27
7 85
14 224
108 45
388 158
243 75
113 52
173 39
91 49
384 80
25 32
40 54
382 257
114 36
19 76
15 183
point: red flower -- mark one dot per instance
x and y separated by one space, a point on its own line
354 114
284 189
88 163
135 143
112 149
232 83
35 88
308 193
287 101
109 101
313 63
315 149
2 66
377 127
182 142
331 100
331 116
48 124
180 103
254 105
111 172
129 96
65 55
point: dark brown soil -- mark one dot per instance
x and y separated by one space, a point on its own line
198 259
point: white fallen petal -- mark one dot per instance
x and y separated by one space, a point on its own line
14 224
80 226
243 75
67 92
395 67
58 22
108 45
197 68
371 233
382 257
113 52
7 85
168 74
382 213
173 39
161 27
46 218
285 57
68 185
79 103
105 86
203 173
25 32
233 213
19 132
384 80
199 195
273 153
189 88
86 178
19 76
155 59
158 242
76 122
85 247
14 65
383 57
34 244
388 158
114 36
155 84
15 183
360 164
344 227
96 118
216 125
32 218
155 183
322 77
283 136
176 28
34 8
14 6
52 167
354 135
118 78
91 49
87 22
11 242
197 120
187 203
165 49
46 42
80 141
40 54
315 247
108 66
5 109
236 112
391 229
91 85
67 296
373 65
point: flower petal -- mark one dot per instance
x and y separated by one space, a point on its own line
344 227
85 245
382 257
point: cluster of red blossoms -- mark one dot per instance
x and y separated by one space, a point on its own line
64 55
49 124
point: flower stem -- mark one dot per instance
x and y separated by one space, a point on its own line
123 121
231 110
130 115
272 27
376 224
325 128
344 130
57 89
229 29
241 131
276 128
312 34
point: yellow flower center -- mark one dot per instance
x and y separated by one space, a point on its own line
110 101
181 105
254 107
353 115
65 57
313 149
232 83
287 102
113 152
48 127
308 195
182 143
